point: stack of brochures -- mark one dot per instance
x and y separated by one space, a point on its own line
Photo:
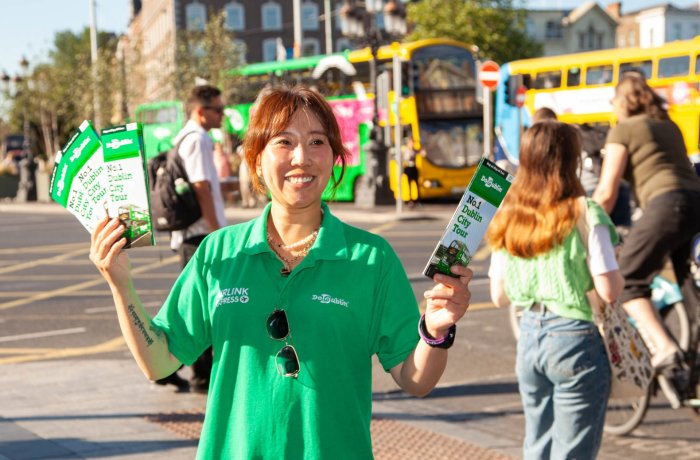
95 176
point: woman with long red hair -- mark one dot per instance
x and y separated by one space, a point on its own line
539 264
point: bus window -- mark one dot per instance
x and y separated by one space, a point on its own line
573 76
697 64
643 67
673 66
443 81
599 75
452 143
547 80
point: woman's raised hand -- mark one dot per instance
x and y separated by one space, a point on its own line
447 301
106 252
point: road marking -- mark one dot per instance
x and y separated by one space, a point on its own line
47 248
37 263
38 335
381 228
115 344
80 286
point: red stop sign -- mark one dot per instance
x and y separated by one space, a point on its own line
488 74
520 96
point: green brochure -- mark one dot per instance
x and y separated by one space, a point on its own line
470 220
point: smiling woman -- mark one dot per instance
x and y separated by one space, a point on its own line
277 299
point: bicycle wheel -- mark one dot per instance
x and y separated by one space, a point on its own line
625 414
677 324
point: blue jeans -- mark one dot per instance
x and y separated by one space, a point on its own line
564 380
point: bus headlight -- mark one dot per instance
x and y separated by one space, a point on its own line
432 183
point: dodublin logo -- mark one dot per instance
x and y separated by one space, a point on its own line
489 183
79 150
325 298
114 144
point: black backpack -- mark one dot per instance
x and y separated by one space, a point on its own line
174 205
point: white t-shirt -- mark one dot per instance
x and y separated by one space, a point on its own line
602 255
197 153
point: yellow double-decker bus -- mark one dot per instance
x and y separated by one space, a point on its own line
438 109
579 87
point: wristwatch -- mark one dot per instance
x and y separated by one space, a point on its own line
445 342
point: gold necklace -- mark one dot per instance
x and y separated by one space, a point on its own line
287 261
301 242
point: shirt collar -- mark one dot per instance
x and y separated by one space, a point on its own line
330 243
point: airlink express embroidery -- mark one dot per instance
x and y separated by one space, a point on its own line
326 298
232 295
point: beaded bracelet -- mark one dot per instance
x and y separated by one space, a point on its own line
445 342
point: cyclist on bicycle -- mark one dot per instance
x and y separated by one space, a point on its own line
647 148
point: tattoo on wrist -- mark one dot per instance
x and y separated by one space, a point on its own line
139 325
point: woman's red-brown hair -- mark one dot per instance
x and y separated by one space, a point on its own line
540 209
272 113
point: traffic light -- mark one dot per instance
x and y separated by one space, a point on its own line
511 89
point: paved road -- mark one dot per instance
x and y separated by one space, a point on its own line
54 306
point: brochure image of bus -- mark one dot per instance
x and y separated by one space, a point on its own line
470 220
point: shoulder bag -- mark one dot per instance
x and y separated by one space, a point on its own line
630 360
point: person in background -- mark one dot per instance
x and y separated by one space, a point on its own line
206 109
278 299
221 161
543 113
589 169
539 264
647 149
408 154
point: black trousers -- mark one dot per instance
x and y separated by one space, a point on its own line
201 368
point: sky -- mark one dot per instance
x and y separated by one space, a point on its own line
27 27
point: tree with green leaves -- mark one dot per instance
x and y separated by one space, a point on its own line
57 95
495 26
208 56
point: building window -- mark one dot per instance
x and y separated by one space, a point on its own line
621 41
530 27
309 16
195 16
343 44
590 38
271 17
677 31
241 48
269 49
553 30
696 30
310 47
631 38
235 16
379 20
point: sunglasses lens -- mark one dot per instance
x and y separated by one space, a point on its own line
287 362
277 325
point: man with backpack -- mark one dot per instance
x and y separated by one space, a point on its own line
196 150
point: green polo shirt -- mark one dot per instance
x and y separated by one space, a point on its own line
347 300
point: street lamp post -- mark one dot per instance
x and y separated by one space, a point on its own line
26 190
359 23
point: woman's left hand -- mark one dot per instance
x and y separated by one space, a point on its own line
447 301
